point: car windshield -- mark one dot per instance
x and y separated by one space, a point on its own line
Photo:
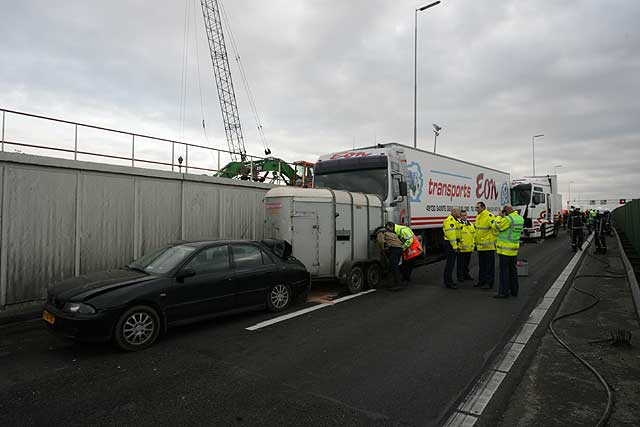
371 181
521 195
163 260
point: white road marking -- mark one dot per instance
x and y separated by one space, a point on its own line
470 410
305 311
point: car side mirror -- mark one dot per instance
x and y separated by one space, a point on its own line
403 188
184 273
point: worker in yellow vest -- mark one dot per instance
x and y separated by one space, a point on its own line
466 244
486 244
411 248
509 227
450 229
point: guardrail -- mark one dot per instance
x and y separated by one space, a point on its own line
6 141
627 220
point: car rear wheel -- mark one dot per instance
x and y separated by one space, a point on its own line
279 297
137 328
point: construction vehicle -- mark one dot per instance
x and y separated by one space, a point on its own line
240 167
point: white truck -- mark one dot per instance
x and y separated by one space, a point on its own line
418 188
331 232
537 200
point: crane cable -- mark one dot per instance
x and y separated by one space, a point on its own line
245 81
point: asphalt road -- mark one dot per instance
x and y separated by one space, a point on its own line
385 358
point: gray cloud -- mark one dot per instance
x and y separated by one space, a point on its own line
328 74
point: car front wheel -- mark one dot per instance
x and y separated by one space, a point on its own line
137 328
279 297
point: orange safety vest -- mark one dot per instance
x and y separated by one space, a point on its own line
412 251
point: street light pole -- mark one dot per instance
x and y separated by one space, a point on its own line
415 71
533 150
569 201
555 169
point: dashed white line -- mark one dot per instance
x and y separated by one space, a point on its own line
305 311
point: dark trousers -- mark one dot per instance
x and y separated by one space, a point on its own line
393 255
508 276
600 242
462 260
487 267
576 238
406 268
451 262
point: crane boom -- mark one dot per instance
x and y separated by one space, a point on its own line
224 83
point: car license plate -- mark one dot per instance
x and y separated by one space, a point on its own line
48 317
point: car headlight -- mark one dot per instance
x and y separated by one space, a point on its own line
78 307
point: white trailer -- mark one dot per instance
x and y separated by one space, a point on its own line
418 188
331 232
537 200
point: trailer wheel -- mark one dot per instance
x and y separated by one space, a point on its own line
355 280
374 274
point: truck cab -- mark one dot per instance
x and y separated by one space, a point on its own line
537 201
380 170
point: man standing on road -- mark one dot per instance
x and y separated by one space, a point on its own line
410 249
466 244
600 230
449 227
392 248
509 227
576 225
486 244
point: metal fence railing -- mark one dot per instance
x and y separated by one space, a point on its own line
21 131
627 219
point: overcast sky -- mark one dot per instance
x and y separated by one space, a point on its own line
328 74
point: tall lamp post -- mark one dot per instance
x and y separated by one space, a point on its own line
569 201
415 71
436 132
533 150
555 169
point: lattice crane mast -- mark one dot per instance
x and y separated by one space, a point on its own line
224 83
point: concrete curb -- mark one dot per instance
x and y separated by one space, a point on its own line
631 275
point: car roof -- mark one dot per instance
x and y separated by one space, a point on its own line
201 243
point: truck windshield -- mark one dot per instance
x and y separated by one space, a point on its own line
371 181
521 194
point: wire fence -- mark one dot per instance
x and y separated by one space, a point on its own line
41 135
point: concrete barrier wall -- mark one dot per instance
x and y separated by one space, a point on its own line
60 218
627 219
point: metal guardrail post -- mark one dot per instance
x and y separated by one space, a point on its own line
173 154
250 168
219 152
2 131
279 171
75 143
186 158
133 150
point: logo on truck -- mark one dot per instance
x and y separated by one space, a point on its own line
415 181
486 188
349 155
505 194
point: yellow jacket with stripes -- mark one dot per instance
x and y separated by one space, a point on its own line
485 231
449 228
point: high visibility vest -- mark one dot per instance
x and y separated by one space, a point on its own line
468 237
449 228
509 230
485 231
405 234
412 251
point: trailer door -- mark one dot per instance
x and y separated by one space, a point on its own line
305 241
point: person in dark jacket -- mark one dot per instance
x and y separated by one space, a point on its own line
576 226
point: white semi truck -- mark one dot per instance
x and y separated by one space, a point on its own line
330 232
538 201
418 188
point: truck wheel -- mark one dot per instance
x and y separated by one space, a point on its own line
374 274
355 280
